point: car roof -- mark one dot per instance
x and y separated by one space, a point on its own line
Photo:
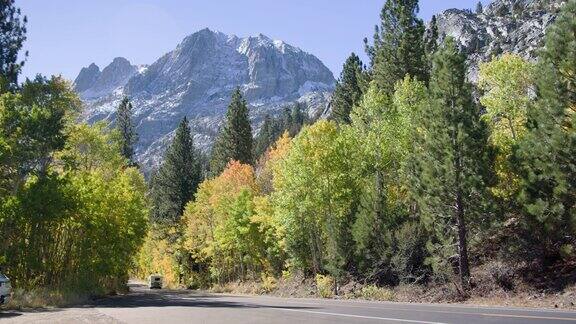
3 278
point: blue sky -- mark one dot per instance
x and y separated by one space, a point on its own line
65 35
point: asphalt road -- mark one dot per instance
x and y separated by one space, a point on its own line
170 306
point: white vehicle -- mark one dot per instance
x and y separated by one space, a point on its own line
5 289
155 282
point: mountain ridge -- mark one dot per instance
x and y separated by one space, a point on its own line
196 79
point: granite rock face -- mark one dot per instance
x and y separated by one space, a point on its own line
196 80
504 26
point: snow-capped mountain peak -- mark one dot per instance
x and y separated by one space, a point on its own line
196 80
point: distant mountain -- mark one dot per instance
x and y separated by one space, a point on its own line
504 26
196 80
91 83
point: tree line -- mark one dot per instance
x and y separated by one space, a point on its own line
417 176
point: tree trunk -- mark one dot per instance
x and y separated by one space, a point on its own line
315 267
335 285
462 245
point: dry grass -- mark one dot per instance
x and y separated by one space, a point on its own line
493 284
43 298
372 292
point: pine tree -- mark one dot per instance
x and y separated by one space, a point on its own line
297 119
12 37
176 181
348 91
269 133
431 40
235 139
291 120
398 47
479 8
285 120
546 156
127 130
451 159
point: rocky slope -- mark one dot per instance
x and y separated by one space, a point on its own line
196 79
504 26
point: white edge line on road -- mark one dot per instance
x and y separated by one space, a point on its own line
402 309
440 311
357 316
461 306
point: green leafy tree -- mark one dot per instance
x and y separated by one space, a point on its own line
33 126
125 127
235 139
12 37
398 47
177 179
386 128
546 154
508 85
348 90
77 226
452 160
318 221
508 82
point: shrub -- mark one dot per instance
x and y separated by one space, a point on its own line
44 297
220 289
373 292
567 251
198 280
325 286
503 275
269 284
410 253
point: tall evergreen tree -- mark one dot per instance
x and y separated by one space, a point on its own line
125 126
452 159
176 181
269 133
235 139
286 118
546 156
398 47
12 37
297 119
431 40
291 120
348 90
479 8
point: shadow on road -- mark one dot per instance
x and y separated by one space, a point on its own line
9 314
20 312
140 296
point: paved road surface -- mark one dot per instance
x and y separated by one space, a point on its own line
144 306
